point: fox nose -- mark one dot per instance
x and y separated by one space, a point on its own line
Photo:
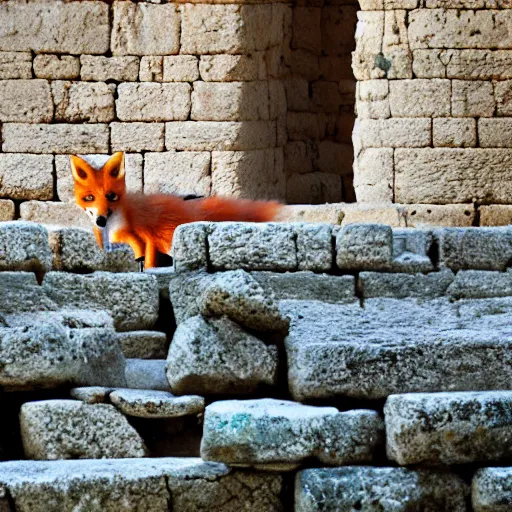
101 221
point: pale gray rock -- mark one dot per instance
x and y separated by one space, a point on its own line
314 246
449 428
190 484
20 292
143 344
252 246
399 286
376 489
189 245
70 429
364 247
184 290
481 284
163 276
24 246
131 298
216 356
91 394
307 286
411 249
146 374
155 404
67 318
277 432
492 490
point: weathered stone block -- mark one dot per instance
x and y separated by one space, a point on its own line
495 215
252 246
472 99
55 138
374 175
315 187
22 293
83 102
495 133
180 68
151 68
190 248
219 136
143 344
26 176
237 432
145 29
479 64
216 356
69 429
449 428
177 173
393 133
56 67
7 210
101 69
372 489
248 174
454 133
481 284
131 298
492 490
420 98
146 374
137 136
503 95
314 247
431 63
25 101
234 101
55 27
364 247
153 102
15 65
445 176
372 99
232 68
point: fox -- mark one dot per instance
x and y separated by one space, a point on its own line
146 222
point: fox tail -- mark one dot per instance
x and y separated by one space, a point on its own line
220 209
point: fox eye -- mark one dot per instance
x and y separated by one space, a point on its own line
88 198
112 196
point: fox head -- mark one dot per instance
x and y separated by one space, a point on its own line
98 191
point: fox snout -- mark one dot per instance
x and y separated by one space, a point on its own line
101 221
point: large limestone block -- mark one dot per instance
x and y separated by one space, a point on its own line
180 173
56 67
20 292
374 489
143 344
495 133
180 68
55 138
216 356
277 433
145 29
24 246
189 245
25 101
252 246
374 175
478 64
101 69
344 350
70 429
74 27
26 176
15 65
372 99
83 102
420 98
314 247
472 99
449 428
495 215
492 490
219 136
393 133
231 68
454 133
131 298
445 175
55 214
137 136
231 101
138 484
153 102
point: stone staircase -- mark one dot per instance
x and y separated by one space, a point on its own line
277 367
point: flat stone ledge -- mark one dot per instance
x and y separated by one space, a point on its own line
481 284
492 490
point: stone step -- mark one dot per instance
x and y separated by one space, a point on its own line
449 428
393 346
152 485
492 490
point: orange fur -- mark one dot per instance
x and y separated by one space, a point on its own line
147 222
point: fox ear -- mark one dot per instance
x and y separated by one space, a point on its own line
115 166
80 169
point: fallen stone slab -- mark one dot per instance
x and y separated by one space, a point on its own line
399 285
492 490
279 434
131 298
143 344
397 346
306 285
46 355
146 374
216 356
70 429
155 404
449 428
481 284
376 489
150 485
24 246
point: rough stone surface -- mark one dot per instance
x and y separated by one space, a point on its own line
472 98
496 215
69 429
146 374
189 245
454 133
53 213
26 176
180 68
56 67
131 298
492 490
155 404
15 65
449 428
216 356
373 489
393 133
190 484
420 98
237 432
20 292
373 175
101 69
137 136
143 344
314 247
7 210
231 68
24 246
481 284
